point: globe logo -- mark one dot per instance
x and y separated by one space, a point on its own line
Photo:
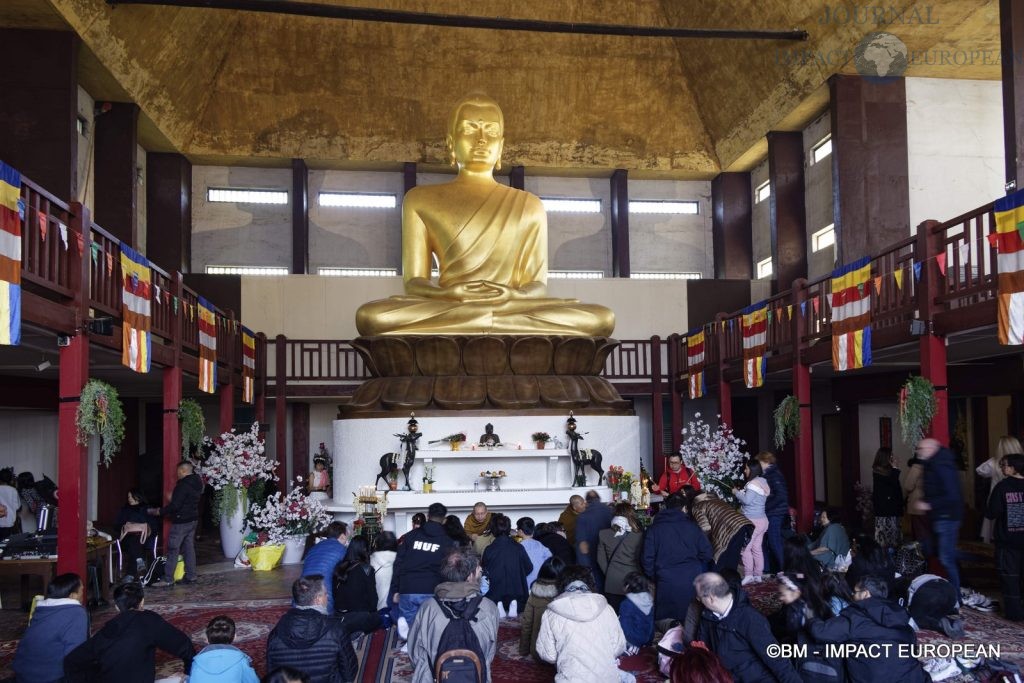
880 55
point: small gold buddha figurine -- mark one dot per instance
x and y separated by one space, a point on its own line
491 246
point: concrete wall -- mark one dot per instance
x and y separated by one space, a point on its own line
662 243
344 237
955 146
86 145
314 307
761 217
240 234
819 208
577 241
30 442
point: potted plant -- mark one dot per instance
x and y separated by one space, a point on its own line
787 420
100 413
237 469
455 440
393 479
540 439
192 425
619 480
290 519
917 408
428 478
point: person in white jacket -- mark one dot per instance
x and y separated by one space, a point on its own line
993 470
382 560
580 633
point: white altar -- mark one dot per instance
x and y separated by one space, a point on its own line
538 483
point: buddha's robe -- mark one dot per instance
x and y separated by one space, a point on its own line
497 243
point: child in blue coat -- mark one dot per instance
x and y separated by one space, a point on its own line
636 613
220 660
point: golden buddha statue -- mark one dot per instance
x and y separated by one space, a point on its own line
491 246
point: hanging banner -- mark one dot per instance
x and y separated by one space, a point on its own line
754 323
207 347
248 365
1009 213
695 363
10 256
851 315
136 310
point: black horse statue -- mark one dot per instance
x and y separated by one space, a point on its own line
389 462
580 460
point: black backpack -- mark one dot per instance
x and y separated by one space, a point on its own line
459 657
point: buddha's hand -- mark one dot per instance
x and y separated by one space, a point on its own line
484 291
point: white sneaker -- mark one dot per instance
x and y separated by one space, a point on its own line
513 610
404 649
403 628
747 580
941 669
501 611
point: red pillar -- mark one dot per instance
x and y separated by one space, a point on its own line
280 409
172 436
72 459
804 442
657 411
724 390
932 348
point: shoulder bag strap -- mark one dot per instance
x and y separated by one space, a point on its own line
617 546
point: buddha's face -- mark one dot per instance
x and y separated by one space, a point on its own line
477 138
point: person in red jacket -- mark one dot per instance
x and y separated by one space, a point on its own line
675 477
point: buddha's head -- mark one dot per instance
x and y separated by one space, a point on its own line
476 134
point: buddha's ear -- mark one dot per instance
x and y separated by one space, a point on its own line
449 144
501 147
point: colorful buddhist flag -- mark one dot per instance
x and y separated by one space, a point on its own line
207 347
248 365
695 363
1009 214
754 323
136 309
851 315
10 256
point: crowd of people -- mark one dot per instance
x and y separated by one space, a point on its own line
589 589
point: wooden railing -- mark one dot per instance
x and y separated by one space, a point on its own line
52 248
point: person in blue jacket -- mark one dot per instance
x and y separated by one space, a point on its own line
944 502
59 625
675 552
636 612
325 556
220 661
596 517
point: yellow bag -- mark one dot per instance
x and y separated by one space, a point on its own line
179 569
265 557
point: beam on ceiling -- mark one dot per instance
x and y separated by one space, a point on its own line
307 9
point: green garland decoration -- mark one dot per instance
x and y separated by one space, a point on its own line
192 424
228 499
787 420
917 408
100 412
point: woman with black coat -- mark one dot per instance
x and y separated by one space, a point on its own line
887 499
355 585
802 599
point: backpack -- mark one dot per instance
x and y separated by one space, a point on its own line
670 646
459 657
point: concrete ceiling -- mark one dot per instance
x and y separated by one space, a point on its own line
226 86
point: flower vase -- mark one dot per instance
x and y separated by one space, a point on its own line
232 528
294 547
454 445
393 484
540 445
428 487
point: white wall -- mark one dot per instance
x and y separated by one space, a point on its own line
29 442
955 146
240 234
353 237
664 243
577 241
869 413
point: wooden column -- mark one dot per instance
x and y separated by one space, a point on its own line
731 226
172 379
280 409
849 423
227 390
724 390
73 458
932 347
788 216
517 177
261 379
1011 35
227 405
657 411
870 184
675 343
169 211
300 217
620 223
803 445
408 176
39 107
300 440
117 163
